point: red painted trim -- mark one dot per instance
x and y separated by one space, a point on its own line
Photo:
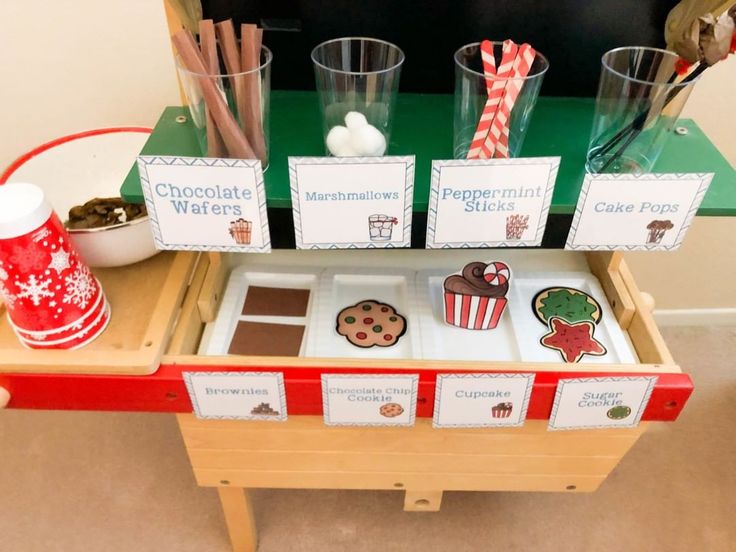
165 391
15 165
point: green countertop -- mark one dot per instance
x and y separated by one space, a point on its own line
423 127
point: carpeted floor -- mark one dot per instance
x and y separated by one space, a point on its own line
120 483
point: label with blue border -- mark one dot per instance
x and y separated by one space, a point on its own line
490 202
206 204
352 202
630 212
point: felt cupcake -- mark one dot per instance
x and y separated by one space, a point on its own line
476 298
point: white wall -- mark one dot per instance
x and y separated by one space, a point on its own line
61 73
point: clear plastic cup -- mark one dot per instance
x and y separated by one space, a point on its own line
357 75
637 106
471 94
251 112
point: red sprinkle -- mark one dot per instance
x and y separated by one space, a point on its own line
388 337
361 335
367 321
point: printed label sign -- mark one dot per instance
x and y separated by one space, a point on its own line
352 202
636 212
367 400
237 395
206 204
481 400
585 403
490 202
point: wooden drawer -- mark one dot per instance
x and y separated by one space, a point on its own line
167 300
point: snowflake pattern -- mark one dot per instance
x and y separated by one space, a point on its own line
59 261
80 287
3 274
29 258
34 289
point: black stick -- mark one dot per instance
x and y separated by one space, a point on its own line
637 125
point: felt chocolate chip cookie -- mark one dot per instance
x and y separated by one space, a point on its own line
370 323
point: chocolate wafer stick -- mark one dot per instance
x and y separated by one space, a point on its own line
231 56
236 143
251 38
208 45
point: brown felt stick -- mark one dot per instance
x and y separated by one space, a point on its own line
251 38
231 55
234 139
208 44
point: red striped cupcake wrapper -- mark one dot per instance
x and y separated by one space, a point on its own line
501 412
473 312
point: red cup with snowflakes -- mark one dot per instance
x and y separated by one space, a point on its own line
50 294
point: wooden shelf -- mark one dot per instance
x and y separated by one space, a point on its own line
144 300
423 127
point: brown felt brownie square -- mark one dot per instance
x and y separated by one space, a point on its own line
261 339
273 301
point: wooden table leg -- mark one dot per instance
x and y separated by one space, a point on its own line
239 518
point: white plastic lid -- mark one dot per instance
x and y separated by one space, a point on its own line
23 208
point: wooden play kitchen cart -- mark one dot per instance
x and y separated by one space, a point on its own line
162 306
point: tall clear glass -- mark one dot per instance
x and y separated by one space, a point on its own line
248 97
471 95
357 83
638 103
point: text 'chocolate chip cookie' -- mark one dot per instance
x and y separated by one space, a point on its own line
370 323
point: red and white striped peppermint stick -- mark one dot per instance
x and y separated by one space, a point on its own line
498 90
486 117
495 84
497 142
489 62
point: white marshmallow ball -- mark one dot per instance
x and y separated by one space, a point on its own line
368 140
355 120
337 139
345 151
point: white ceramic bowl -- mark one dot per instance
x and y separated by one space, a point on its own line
74 169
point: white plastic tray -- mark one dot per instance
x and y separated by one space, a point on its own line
418 297
516 338
218 334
